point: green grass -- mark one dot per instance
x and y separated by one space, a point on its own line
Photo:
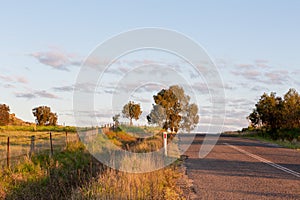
140 131
44 177
265 138
38 128
20 142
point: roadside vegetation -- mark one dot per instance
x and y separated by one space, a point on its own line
47 177
262 135
276 119
68 171
72 173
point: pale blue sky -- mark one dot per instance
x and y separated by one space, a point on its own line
255 45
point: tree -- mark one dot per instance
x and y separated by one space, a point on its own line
191 119
157 115
116 119
254 119
131 111
4 114
276 113
44 116
178 113
291 109
269 109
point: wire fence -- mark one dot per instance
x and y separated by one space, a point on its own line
14 148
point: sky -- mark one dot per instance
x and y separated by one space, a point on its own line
254 44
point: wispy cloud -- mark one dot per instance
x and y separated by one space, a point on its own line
57 59
262 63
14 79
36 94
25 95
277 77
64 88
6 78
45 94
21 79
245 66
248 74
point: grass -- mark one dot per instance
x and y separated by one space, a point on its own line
20 142
71 173
113 184
34 128
140 131
291 144
45 177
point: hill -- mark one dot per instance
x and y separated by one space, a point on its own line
14 121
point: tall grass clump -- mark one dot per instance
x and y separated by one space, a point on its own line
46 177
113 184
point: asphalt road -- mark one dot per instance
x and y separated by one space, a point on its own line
239 168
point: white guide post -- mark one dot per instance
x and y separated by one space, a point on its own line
165 142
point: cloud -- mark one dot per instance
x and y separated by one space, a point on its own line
8 86
21 79
14 79
140 99
248 74
57 59
35 94
261 63
277 77
258 88
245 66
6 78
25 95
45 94
64 88
201 88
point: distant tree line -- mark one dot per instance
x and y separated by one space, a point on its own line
275 113
43 115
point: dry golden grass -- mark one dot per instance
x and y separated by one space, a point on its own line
113 184
66 175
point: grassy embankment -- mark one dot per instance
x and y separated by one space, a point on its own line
73 173
285 138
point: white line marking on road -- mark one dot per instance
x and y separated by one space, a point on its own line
265 161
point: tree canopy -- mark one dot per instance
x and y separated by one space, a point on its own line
172 110
131 111
4 114
44 116
274 112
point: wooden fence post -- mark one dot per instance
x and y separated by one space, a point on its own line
8 154
32 146
66 139
51 146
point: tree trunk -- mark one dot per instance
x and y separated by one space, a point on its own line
130 122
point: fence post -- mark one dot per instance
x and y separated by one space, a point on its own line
32 146
66 139
8 154
51 146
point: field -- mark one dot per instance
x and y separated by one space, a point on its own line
72 173
27 140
